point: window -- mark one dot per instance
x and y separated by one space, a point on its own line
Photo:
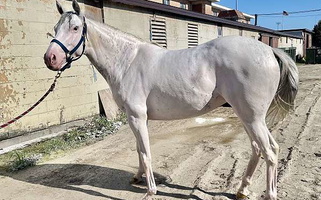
166 2
219 31
158 31
192 35
183 6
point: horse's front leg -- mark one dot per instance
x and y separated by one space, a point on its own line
137 119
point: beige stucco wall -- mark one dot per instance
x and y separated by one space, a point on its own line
24 78
291 42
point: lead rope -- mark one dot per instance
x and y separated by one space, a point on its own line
52 87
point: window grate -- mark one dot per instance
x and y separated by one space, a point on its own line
192 35
158 31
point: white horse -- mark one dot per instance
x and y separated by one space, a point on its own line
152 83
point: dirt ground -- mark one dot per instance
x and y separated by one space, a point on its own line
198 158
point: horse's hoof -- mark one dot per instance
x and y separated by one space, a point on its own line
240 196
135 180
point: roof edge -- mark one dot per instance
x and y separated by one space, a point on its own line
297 29
187 13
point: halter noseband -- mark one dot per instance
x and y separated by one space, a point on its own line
69 58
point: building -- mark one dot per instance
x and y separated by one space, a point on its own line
199 6
209 26
306 34
173 24
218 9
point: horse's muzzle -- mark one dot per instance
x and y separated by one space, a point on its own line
50 61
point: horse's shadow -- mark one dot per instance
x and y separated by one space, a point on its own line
69 176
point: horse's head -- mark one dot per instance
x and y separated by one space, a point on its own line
69 42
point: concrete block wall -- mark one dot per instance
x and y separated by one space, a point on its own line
207 32
134 20
176 33
230 31
24 78
251 34
137 22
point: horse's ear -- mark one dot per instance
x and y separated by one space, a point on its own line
76 7
59 7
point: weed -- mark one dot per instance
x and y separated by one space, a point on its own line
22 161
91 132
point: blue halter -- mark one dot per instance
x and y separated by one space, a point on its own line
69 58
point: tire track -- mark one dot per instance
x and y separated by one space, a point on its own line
305 123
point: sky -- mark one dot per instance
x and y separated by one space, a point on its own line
279 22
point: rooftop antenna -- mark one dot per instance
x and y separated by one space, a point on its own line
278 25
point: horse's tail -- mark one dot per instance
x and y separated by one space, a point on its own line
283 101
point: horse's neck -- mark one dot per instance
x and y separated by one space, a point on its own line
110 50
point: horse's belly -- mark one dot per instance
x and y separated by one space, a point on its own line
161 106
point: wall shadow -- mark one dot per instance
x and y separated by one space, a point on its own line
69 176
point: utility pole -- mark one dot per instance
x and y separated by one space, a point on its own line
284 13
278 25
255 23
236 5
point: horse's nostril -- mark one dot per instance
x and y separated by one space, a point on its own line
53 57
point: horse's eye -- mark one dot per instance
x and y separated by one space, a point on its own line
76 28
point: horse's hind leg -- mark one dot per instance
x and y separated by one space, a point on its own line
262 137
252 112
243 191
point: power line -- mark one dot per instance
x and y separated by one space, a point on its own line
305 11
300 16
284 13
288 13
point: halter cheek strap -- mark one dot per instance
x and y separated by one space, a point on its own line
69 58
